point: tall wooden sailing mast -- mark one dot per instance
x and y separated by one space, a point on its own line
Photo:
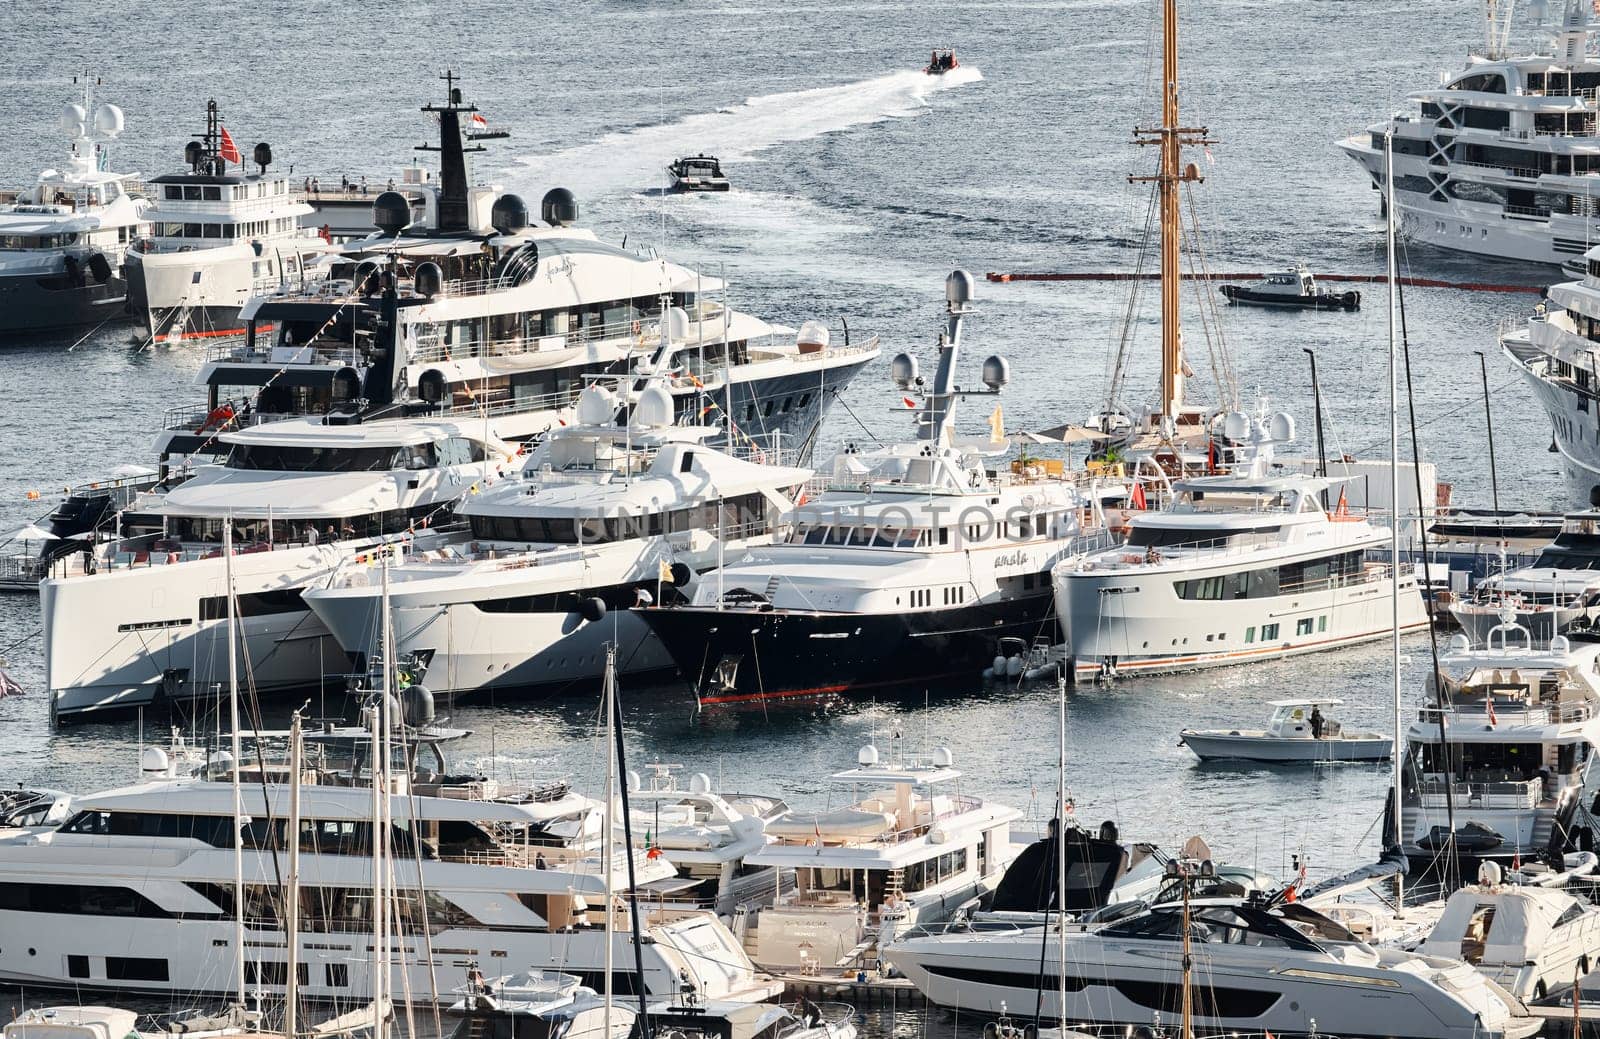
1172 139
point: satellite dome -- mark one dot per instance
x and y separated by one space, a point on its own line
677 324
959 287
509 214
903 370
108 119
596 406
996 372
700 783
391 212
867 755
559 208
654 407
1281 427
1236 426
71 119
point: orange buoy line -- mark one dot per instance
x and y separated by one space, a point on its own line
1424 283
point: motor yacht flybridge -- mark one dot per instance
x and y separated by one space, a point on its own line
503 318
1499 160
905 572
61 241
1498 759
218 238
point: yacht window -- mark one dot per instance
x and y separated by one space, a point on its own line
293 458
213 230
887 538
79 900
944 535
193 230
211 193
191 192
817 536
912 538
1145 536
173 192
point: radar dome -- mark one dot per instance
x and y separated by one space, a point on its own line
959 288
193 152
654 407
391 213
867 755
1236 426
1281 427
559 208
1459 643
71 119
1560 646
677 324
942 757
700 783
596 406
153 761
996 372
108 119
813 334
903 370
262 155
1489 873
509 214
429 279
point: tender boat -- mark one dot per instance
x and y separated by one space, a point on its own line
1526 939
1296 289
1297 733
537 1004
942 61
698 173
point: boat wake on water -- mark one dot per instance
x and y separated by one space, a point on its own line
629 161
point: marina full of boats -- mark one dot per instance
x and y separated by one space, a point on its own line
451 455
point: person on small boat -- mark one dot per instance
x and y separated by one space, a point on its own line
1316 722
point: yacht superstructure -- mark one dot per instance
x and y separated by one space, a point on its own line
909 848
504 318
602 516
142 619
1498 759
1237 568
61 241
1499 159
1559 589
217 238
904 572
135 893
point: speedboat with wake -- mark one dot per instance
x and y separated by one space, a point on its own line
904 573
1293 290
1298 732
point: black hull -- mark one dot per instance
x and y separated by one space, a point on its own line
1321 301
735 656
44 303
779 415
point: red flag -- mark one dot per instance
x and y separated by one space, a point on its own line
229 151
1137 499
479 122
909 403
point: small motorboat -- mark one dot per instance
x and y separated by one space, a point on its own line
698 173
1575 865
942 61
1298 733
1296 288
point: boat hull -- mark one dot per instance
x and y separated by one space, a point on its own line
1218 746
732 656
42 303
1320 301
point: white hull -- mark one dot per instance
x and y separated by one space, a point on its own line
115 640
1145 628
1218 746
1574 414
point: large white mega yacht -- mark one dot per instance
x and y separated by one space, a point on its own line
602 516
61 241
136 892
217 239
909 848
905 572
1498 759
1499 159
1237 568
1258 967
503 318
142 619
1556 350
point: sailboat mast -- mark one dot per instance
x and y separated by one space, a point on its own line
291 891
1394 496
1061 850
238 791
1171 166
608 845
